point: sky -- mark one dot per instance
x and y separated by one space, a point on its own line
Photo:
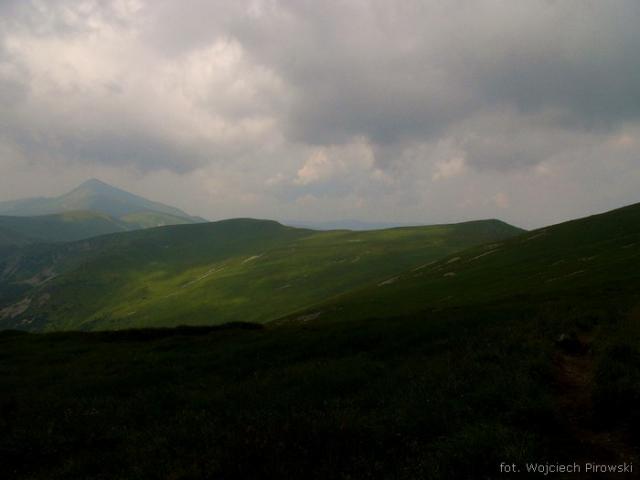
405 111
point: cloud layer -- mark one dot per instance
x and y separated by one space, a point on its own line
407 111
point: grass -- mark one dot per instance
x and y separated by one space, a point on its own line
150 219
617 388
63 227
386 383
598 253
441 395
351 401
77 225
219 272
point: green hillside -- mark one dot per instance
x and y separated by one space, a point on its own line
514 359
71 226
599 253
10 238
150 219
204 274
63 227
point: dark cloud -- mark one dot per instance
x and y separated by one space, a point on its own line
397 71
417 70
464 92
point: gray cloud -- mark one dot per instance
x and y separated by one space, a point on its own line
416 69
400 100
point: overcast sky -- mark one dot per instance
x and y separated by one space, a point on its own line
408 111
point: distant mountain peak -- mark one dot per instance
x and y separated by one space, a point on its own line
93 185
94 182
98 196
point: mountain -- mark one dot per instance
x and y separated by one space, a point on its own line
253 270
96 196
599 254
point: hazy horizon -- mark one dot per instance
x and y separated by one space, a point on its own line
328 224
416 112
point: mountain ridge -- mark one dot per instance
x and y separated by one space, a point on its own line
364 226
211 273
596 252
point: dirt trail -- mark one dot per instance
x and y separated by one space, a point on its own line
575 368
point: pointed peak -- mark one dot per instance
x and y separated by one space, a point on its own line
96 186
94 182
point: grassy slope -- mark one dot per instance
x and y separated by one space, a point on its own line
360 400
438 393
600 253
63 227
150 219
443 395
11 238
233 270
77 225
